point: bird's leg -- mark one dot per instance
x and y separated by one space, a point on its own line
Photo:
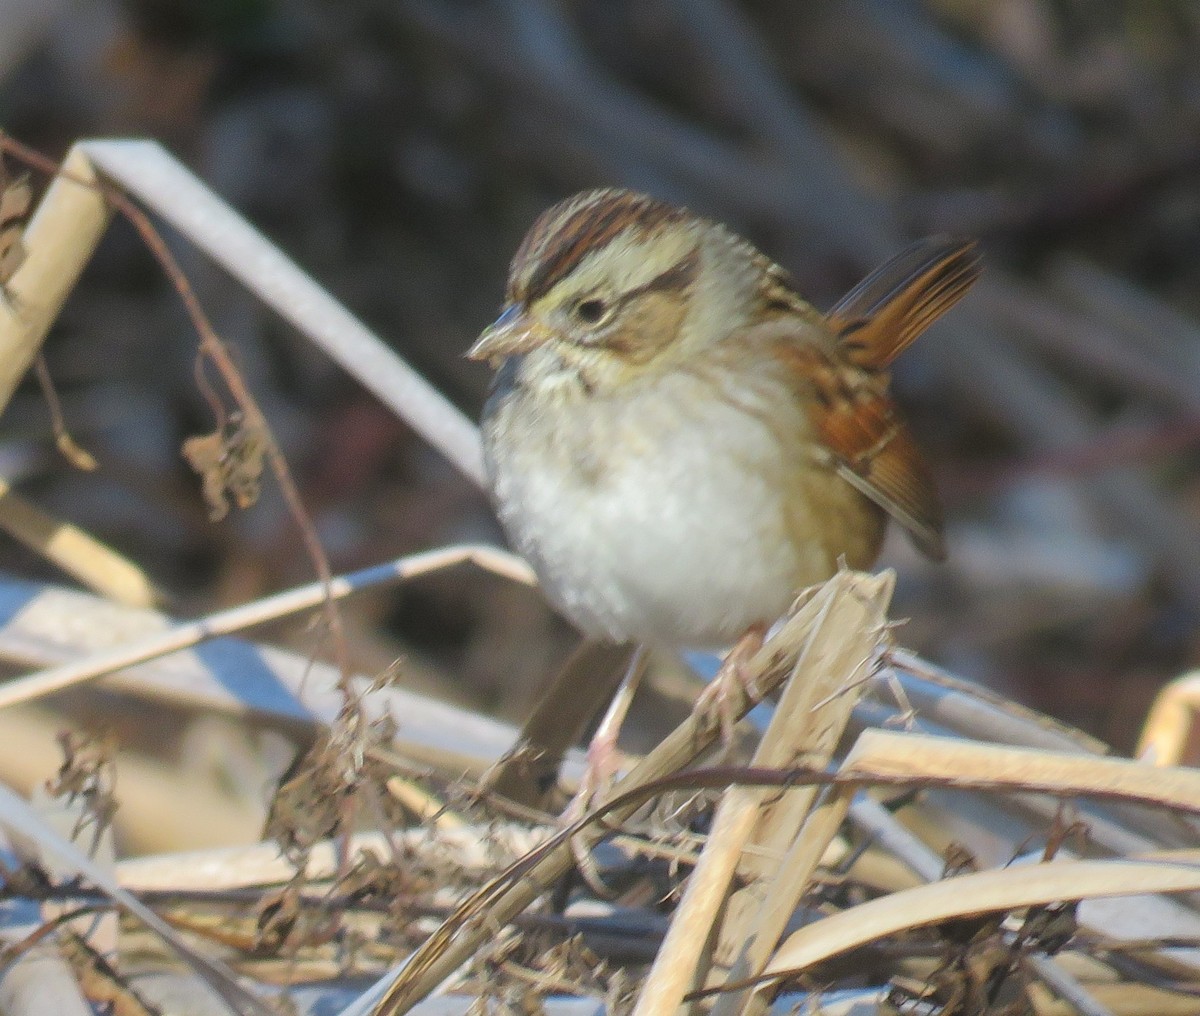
602 749
719 699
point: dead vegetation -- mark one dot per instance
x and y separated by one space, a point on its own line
878 837
836 866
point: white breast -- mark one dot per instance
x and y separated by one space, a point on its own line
658 520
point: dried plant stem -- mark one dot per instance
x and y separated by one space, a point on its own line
59 240
213 348
888 833
1168 736
674 972
89 200
987 767
974 712
47 627
820 693
270 608
87 559
890 755
19 819
78 173
780 896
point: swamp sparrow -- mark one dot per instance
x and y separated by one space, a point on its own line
676 441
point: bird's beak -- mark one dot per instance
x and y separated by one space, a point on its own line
510 334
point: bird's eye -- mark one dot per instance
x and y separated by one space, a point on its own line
591 311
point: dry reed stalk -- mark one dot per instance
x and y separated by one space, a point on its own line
85 558
46 626
1169 733
470 848
883 756
762 832
21 821
888 756
974 712
39 981
60 239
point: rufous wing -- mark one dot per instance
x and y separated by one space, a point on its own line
866 440
871 446
881 316
897 479
874 451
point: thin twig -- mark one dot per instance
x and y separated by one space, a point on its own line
270 608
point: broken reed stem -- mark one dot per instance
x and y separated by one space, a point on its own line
779 898
20 819
76 552
829 674
971 895
472 848
59 241
675 969
882 755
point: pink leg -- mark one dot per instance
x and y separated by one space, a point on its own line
602 749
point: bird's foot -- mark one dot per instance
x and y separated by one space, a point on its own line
725 697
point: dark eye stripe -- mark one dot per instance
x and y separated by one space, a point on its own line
674 279
565 234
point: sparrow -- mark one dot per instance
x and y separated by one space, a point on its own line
677 441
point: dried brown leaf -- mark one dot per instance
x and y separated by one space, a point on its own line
230 464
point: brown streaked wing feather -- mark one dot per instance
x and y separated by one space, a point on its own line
897 479
881 316
871 446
